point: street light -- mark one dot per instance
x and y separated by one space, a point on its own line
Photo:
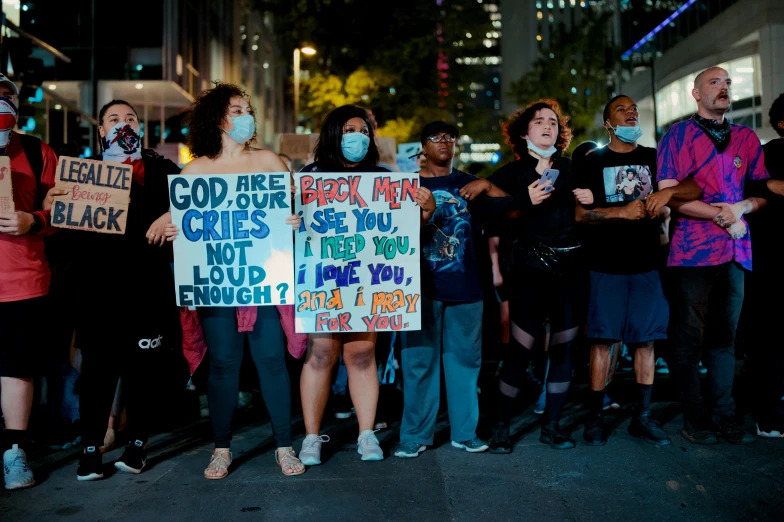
307 51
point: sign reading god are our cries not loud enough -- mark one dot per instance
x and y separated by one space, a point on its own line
234 247
357 252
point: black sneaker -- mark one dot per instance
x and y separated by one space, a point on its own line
596 432
133 458
343 409
500 442
697 433
728 429
90 465
644 427
557 439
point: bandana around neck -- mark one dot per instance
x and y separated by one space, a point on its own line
719 133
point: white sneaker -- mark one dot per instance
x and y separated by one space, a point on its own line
368 447
661 367
772 434
16 472
310 454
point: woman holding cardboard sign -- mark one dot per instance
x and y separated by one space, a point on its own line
221 127
126 316
347 142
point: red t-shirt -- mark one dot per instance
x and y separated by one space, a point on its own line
24 272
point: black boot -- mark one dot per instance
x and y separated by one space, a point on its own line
500 442
643 426
557 439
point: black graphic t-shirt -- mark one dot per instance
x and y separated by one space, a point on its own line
450 271
616 179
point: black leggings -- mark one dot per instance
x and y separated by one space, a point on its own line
138 362
268 349
539 297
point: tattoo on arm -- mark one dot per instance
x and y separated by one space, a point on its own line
594 216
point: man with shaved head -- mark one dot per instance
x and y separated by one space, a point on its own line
710 249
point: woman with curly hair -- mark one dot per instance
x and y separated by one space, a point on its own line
220 129
346 143
539 249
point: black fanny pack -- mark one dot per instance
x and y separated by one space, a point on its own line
553 260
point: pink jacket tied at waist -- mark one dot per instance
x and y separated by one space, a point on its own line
194 346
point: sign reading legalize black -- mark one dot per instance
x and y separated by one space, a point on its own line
98 194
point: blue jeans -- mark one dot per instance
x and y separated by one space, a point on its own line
706 306
451 332
69 405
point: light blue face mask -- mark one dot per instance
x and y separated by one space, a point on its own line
546 153
627 134
243 130
355 146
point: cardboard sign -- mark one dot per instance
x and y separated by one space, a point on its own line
6 190
234 247
357 252
98 195
298 146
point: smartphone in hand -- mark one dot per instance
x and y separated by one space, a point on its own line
549 175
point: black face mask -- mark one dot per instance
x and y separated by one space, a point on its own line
719 133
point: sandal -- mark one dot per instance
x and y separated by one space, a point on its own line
220 463
288 461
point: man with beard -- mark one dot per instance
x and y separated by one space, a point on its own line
710 250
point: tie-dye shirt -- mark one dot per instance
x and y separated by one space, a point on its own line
686 150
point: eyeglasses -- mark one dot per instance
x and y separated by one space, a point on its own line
441 137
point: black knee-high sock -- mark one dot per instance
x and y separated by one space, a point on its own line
516 361
11 437
644 396
558 379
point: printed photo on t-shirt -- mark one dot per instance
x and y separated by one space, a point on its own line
627 183
448 231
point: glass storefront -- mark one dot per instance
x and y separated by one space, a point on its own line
675 103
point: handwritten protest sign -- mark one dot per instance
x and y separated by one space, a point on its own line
6 190
357 252
98 194
234 247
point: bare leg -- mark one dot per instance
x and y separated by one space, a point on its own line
320 358
644 360
17 400
600 366
359 354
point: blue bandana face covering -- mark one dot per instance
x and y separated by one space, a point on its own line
243 130
355 146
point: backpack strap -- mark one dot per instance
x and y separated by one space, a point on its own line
32 149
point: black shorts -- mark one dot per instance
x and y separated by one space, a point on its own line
22 337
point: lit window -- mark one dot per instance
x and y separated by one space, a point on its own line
539 15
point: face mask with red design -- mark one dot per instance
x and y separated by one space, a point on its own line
122 144
8 115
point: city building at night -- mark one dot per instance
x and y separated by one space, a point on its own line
161 55
745 37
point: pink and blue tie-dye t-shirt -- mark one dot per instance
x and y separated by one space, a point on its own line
685 150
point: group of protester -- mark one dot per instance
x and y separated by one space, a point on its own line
575 249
